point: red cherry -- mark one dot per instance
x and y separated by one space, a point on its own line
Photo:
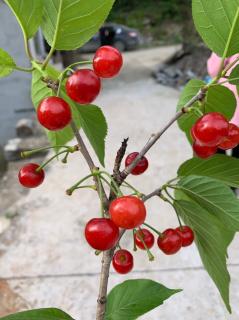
123 261
29 177
211 129
107 62
203 151
232 140
101 233
187 235
54 113
170 242
147 236
127 212
83 86
141 167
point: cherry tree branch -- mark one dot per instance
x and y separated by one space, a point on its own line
90 162
155 193
198 97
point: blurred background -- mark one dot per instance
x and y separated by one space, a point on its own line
44 259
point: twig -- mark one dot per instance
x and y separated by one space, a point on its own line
86 155
116 171
155 193
198 97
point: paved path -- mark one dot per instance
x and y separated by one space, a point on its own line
44 258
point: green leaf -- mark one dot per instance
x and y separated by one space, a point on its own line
216 99
221 99
94 124
220 167
133 298
41 91
39 314
212 240
7 63
218 24
214 196
187 120
68 24
28 13
234 75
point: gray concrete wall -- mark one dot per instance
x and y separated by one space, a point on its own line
15 89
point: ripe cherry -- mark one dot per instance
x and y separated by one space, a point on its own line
232 140
123 261
211 129
141 167
101 233
203 151
83 86
170 242
54 113
147 236
127 212
107 62
29 177
186 234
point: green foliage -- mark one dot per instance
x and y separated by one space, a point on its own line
218 23
94 124
28 14
7 63
68 24
187 120
39 314
234 75
214 196
217 98
133 298
212 239
219 167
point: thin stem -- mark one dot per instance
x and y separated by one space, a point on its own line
111 186
128 185
48 58
155 193
26 154
76 185
135 247
101 197
27 48
113 182
149 253
49 160
23 69
152 228
198 97
168 194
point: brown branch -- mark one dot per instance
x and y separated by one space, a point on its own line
155 193
116 171
198 97
86 155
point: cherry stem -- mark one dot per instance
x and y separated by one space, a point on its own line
153 229
149 253
101 196
113 182
49 160
26 154
135 247
110 185
76 186
128 185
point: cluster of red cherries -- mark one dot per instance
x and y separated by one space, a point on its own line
129 212
212 132
83 86
126 212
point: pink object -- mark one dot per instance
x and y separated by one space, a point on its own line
213 65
